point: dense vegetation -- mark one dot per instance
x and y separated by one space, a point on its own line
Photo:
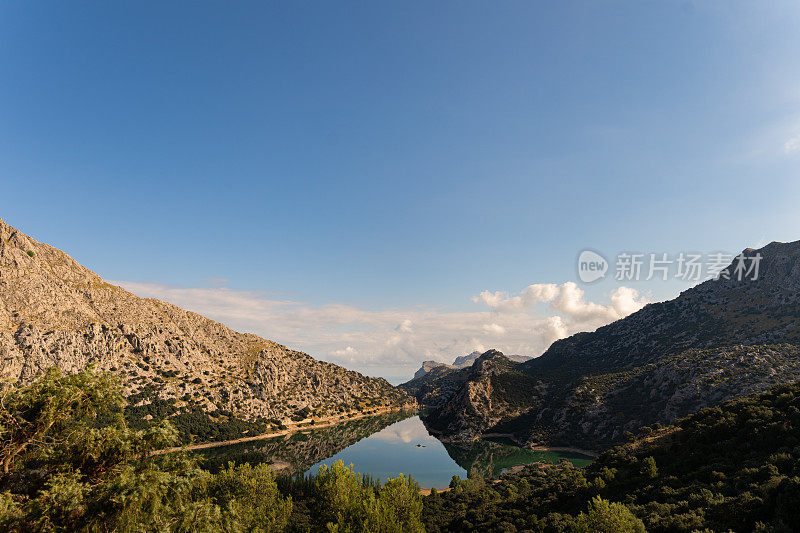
731 467
70 462
192 423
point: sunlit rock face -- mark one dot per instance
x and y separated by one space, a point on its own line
55 312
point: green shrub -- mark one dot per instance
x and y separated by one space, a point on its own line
250 499
607 517
347 501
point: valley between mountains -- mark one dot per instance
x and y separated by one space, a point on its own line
720 340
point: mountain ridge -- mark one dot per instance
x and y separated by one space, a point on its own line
462 361
654 359
56 312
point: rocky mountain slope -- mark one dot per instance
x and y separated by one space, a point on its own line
475 402
463 361
734 467
466 360
721 339
435 382
427 366
55 312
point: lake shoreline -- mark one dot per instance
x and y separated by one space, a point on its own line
511 437
431 464
511 470
564 449
296 428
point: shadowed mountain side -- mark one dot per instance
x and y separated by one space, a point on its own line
721 339
464 361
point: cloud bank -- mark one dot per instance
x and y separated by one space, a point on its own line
393 342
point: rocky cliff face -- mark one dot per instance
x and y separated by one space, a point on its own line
722 339
55 312
467 360
463 361
427 366
474 403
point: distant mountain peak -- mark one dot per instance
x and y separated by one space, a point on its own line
490 354
464 361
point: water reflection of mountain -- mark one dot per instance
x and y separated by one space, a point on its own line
300 450
398 442
489 458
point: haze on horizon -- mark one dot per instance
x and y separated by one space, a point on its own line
378 185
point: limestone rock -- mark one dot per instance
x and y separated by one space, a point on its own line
55 312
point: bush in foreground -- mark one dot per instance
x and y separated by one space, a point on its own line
71 463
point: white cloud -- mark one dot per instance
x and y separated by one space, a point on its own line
494 329
348 352
551 329
393 342
568 300
405 431
529 297
792 145
404 326
625 301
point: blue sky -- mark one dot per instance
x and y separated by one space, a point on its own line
323 173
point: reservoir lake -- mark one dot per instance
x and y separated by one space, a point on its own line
383 447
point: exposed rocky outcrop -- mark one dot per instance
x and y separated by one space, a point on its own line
55 312
466 360
463 361
436 386
474 402
427 366
721 339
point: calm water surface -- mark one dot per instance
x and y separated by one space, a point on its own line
404 447
383 447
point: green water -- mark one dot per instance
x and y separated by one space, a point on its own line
384 447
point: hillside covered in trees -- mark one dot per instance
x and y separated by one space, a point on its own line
70 462
733 467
